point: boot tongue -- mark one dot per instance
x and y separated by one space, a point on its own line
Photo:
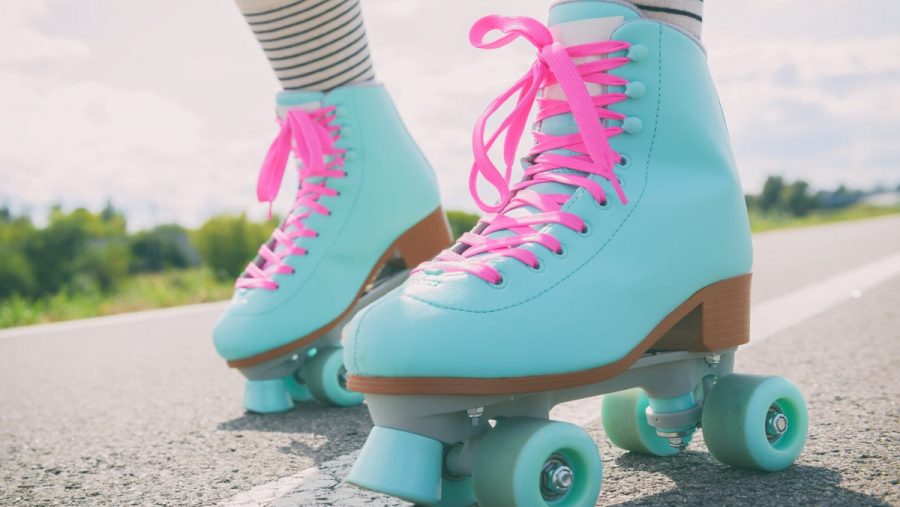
572 24
307 101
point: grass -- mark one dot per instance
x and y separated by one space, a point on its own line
766 222
198 285
139 292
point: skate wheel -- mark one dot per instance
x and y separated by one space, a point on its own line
266 396
297 389
326 379
755 422
624 420
525 461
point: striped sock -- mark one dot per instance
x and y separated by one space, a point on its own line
312 44
685 14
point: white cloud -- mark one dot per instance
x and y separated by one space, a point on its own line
178 132
21 42
825 110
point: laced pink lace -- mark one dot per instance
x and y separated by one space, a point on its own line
591 152
312 137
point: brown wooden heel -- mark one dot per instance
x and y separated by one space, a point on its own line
424 240
720 321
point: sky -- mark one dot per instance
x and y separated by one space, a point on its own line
166 107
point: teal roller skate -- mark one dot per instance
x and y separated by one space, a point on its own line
367 210
620 263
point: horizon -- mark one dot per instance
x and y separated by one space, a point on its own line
151 123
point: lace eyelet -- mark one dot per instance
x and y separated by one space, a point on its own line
561 253
537 268
603 205
501 283
586 230
624 161
637 53
635 89
632 125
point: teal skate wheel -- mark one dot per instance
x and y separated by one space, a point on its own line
267 396
624 420
326 378
534 462
297 389
755 422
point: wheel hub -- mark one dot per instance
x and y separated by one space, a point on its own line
342 377
776 423
557 478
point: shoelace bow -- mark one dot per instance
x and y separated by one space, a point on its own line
312 137
592 153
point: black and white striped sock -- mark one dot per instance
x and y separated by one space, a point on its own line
311 44
685 14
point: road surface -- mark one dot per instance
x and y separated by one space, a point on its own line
139 410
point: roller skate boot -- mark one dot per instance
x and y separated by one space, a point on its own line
367 209
619 263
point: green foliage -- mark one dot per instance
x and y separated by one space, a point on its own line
461 222
163 247
779 197
227 243
77 247
760 222
16 275
138 292
771 193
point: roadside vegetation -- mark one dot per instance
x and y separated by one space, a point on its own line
85 264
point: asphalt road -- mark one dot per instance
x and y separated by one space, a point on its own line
139 410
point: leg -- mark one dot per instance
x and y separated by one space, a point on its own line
312 44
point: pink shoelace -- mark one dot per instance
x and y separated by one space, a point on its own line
312 137
592 153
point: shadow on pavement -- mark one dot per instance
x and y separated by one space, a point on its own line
316 431
700 480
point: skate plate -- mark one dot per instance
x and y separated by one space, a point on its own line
504 450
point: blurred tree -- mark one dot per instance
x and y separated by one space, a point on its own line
461 222
227 243
771 193
163 247
55 252
104 263
16 275
795 199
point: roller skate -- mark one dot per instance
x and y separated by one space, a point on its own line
618 265
367 209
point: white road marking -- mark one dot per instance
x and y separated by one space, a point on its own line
778 314
125 318
323 485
